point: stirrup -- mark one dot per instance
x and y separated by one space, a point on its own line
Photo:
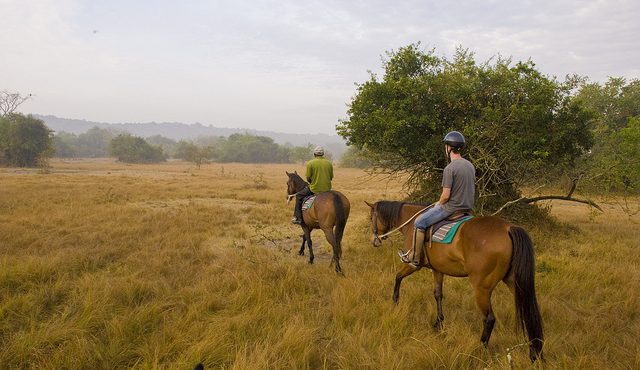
404 256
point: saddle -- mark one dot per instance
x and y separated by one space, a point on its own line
444 231
307 202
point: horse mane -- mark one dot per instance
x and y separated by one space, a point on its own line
297 180
389 211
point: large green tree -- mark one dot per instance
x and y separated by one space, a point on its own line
521 126
24 140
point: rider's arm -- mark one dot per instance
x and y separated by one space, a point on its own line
309 173
444 197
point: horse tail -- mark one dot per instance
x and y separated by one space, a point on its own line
341 220
523 269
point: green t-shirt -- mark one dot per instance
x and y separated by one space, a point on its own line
319 174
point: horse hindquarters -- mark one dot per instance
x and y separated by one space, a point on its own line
331 214
523 270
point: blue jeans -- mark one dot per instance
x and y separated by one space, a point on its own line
430 217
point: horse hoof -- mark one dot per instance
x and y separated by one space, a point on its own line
300 253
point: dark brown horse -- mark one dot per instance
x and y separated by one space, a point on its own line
329 212
485 249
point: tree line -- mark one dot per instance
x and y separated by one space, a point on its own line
243 148
26 141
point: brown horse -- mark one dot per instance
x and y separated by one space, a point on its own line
485 249
329 212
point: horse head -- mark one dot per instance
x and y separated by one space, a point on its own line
295 183
377 226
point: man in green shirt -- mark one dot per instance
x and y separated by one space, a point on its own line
319 175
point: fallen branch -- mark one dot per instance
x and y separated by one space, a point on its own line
561 197
526 200
508 204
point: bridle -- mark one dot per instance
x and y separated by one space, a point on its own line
292 187
374 222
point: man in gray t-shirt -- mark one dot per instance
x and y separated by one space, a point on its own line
458 193
460 177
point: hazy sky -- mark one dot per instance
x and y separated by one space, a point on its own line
287 66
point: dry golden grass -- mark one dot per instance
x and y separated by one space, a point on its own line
107 265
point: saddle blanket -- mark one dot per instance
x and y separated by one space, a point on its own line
445 233
308 202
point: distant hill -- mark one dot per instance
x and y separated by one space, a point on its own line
178 131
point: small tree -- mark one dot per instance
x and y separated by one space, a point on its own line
133 149
65 145
300 154
168 145
25 141
247 148
356 158
95 142
191 152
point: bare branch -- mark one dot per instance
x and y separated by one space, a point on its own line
9 102
508 204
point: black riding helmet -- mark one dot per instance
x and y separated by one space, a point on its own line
454 139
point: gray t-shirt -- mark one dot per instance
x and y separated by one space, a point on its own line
460 176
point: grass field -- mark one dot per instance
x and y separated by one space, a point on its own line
107 265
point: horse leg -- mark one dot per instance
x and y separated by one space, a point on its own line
483 299
406 269
331 238
438 279
307 237
304 241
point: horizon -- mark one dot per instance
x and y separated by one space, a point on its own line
199 124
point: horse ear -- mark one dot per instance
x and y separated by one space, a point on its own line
369 204
295 171
287 173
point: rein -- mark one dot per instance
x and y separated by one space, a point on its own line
385 235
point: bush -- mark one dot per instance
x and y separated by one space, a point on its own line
133 149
